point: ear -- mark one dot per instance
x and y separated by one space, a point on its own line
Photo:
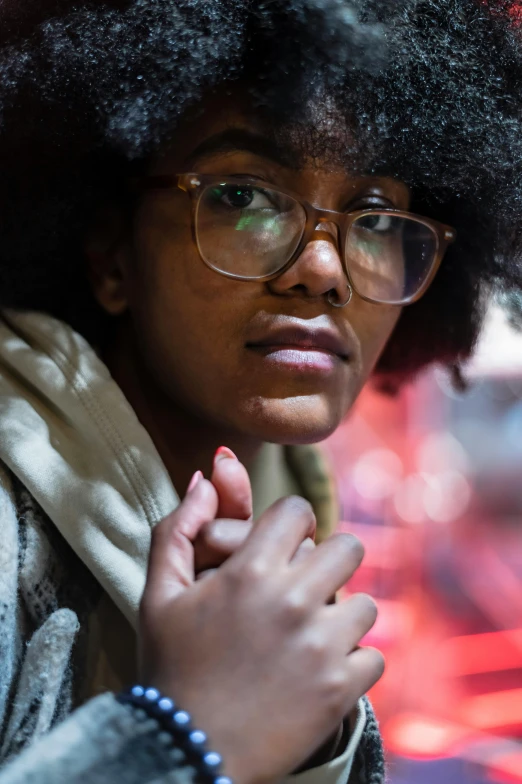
107 255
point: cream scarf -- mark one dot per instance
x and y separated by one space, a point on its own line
69 434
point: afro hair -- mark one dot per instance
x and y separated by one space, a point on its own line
427 89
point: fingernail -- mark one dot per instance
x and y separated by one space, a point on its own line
193 482
222 453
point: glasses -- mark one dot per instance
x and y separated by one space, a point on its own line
247 230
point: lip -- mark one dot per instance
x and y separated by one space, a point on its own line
299 337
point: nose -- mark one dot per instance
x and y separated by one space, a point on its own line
318 271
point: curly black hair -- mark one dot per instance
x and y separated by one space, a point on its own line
423 90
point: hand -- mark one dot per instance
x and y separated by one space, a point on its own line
253 652
217 540
220 538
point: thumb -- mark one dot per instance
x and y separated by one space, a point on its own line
232 483
171 560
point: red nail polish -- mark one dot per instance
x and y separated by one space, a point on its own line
223 452
195 479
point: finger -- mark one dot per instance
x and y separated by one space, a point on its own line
217 541
207 573
276 536
329 567
231 480
349 621
364 667
171 560
304 550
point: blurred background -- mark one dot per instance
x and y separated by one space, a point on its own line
431 481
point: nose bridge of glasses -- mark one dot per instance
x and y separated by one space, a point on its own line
326 226
328 230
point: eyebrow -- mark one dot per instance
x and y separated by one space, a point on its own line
241 140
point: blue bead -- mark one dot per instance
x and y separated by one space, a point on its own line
137 691
152 695
181 719
197 738
212 759
166 705
223 780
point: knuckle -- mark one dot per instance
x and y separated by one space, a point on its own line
316 648
294 608
254 571
244 574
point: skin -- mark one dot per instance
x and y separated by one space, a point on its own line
180 351
255 651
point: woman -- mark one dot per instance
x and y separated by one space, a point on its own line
219 221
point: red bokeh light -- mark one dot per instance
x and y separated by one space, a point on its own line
446 572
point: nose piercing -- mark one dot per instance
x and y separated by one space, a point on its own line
332 296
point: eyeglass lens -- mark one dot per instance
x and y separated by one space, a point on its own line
246 230
390 258
251 232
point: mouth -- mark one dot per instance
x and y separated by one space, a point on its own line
299 346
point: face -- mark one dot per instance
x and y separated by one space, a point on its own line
269 360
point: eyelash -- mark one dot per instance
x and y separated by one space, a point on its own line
372 202
360 203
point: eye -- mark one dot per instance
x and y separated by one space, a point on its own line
242 197
377 222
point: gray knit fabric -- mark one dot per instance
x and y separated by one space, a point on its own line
46 598
368 767
102 742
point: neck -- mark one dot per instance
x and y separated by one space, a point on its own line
185 441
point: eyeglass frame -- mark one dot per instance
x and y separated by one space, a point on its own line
195 184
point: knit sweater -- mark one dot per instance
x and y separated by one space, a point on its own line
80 488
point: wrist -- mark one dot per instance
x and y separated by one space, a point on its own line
178 724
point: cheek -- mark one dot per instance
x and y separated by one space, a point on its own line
186 315
374 325
191 323
167 279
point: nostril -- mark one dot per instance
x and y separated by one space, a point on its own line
334 298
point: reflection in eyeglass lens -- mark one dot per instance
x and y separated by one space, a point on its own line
248 230
389 258
252 231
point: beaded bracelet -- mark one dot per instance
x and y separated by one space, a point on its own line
179 724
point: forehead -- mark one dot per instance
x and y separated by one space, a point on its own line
230 120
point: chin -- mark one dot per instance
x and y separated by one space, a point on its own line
293 421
